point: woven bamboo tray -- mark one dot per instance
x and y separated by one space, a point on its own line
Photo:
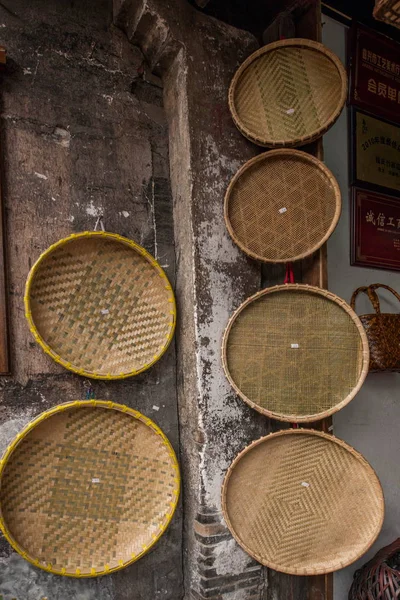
388 11
295 353
302 502
282 206
288 93
87 488
100 305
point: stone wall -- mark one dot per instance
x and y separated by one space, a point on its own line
197 56
83 133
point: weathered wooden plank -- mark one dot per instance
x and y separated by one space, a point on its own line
4 326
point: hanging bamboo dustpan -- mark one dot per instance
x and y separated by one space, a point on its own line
295 353
100 305
302 502
282 206
288 93
87 488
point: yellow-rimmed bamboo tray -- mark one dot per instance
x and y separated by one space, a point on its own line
295 353
100 305
388 11
282 205
87 488
302 502
288 93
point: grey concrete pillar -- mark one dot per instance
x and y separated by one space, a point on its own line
196 56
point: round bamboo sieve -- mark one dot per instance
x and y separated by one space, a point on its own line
87 488
288 93
282 206
295 353
100 305
302 502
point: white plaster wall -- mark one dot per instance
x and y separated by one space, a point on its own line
371 422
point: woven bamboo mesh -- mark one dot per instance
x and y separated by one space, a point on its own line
295 353
88 488
288 93
100 305
388 11
282 206
302 502
379 579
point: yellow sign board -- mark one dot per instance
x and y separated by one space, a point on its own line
377 151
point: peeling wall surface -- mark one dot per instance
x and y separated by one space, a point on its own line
197 57
83 133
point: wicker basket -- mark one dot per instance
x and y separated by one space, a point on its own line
100 305
282 206
87 488
379 579
288 93
388 11
295 353
302 502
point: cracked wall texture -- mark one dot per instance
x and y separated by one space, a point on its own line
197 57
83 134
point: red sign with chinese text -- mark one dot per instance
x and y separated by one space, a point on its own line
375 230
374 72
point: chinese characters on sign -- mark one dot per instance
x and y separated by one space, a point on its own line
375 230
383 90
374 62
375 151
375 73
381 220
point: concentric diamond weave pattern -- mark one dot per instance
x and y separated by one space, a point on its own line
288 95
303 504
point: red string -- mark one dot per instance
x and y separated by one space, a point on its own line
289 276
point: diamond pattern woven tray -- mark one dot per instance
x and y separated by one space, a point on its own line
303 502
288 93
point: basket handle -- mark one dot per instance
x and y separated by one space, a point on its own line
385 553
372 295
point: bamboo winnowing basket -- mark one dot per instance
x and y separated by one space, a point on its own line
282 205
302 502
288 93
87 488
100 305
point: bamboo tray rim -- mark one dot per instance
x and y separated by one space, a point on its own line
127 242
384 10
104 404
291 287
321 434
271 154
292 42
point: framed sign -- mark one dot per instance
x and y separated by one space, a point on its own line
374 151
375 230
374 63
